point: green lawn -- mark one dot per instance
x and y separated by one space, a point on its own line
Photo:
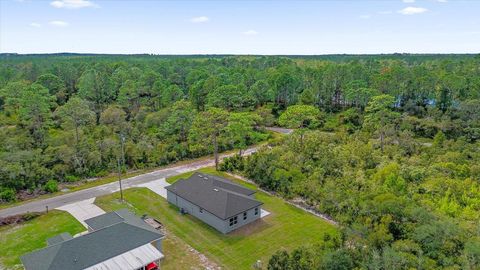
287 227
16 240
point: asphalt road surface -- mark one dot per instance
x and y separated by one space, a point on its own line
68 198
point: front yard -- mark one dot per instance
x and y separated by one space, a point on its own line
286 227
16 240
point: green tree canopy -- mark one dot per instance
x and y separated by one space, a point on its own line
300 116
379 116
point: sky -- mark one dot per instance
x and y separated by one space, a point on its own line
240 27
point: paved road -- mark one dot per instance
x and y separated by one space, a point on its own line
81 195
280 130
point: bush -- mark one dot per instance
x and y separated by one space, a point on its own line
102 173
51 186
234 163
71 178
7 195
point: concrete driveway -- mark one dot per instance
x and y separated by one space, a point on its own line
157 186
83 210
264 213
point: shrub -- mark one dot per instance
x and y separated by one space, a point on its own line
71 178
234 163
51 186
7 195
102 173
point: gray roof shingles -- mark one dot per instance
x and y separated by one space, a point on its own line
93 248
59 238
111 218
218 196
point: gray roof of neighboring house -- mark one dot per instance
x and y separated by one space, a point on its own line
59 238
111 218
216 195
92 248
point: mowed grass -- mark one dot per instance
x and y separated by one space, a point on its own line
16 240
177 253
287 227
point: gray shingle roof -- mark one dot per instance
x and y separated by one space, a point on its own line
218 196
111 218
92 248
59 238
105 220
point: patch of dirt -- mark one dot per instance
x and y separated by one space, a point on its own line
205 263
23 195
17 219
302 204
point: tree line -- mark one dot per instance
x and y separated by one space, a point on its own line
62 116
403 199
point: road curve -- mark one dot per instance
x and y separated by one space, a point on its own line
68 198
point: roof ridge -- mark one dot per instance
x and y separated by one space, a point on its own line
114 224
57 247
236 193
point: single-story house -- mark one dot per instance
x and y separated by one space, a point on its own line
116 240
220 203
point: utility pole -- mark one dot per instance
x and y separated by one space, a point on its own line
122 141
120 179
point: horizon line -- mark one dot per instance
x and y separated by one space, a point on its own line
241 54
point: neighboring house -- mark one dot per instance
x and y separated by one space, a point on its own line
216 201
116 240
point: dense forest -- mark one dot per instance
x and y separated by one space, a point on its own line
388 146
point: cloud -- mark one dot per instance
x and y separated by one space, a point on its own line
73 4
36 25
58 23
412 10
442 1
250 33
200 19
408 1
365 17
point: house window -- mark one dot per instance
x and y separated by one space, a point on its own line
256 211
244 215
233 220
200 209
